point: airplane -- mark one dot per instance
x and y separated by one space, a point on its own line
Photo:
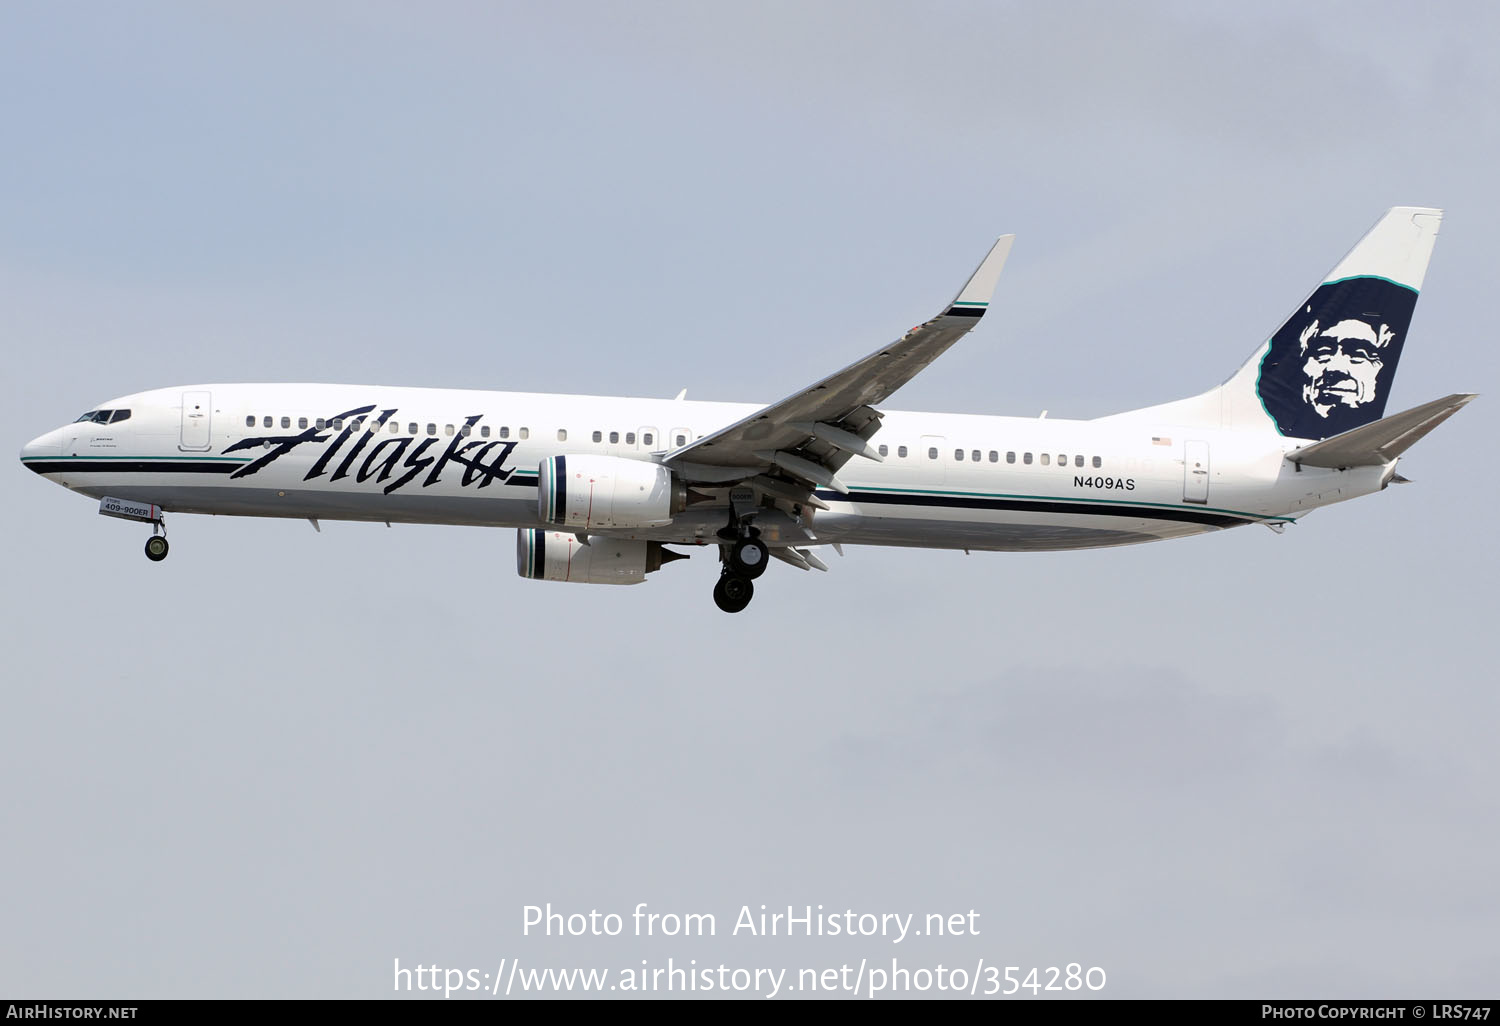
601 489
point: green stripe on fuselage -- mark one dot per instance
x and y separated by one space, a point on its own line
1065 498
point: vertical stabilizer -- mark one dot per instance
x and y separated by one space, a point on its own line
1329 367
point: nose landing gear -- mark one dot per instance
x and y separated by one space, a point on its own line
142 512
156 545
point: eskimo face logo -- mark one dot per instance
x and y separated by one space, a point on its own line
1342 364
1329 367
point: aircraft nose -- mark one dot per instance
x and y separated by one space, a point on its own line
40 449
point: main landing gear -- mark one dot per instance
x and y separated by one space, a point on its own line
156 545
745 557
748 557
733 592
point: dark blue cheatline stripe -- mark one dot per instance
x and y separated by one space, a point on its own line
131 467
964 311
1096 509
521 478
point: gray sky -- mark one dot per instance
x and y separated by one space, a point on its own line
1238 765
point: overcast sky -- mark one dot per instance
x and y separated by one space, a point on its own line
1237 765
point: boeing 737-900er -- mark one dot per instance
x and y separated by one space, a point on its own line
599 489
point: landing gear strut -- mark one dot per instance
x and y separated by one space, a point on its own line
156 545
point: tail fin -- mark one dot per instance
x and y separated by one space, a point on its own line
1329 368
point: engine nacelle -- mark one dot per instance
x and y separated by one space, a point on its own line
584 493
559 556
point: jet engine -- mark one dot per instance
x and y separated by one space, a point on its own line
584 493
560 556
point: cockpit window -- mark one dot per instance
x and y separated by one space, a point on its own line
98 417
119 416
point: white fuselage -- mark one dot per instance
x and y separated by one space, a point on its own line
447 456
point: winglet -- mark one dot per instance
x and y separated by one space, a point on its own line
974 297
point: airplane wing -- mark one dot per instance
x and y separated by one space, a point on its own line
809 435
1380 441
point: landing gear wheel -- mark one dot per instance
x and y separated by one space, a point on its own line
749 557
156 548
733 593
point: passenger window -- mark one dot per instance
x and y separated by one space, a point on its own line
302 422
1096 463
1010 457
505 432
562 434
974 455
321 423
250 420
630 438
395 427
411 428
1062 461
484 432
286 422
466 430
448 430
523 434
1026 459
958 454
614 438
994 456
932 454
338 423
598 437
1077 461
267 422
901 451
646 438
682 440
884 451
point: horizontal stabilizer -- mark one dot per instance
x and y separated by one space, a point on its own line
1380 441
